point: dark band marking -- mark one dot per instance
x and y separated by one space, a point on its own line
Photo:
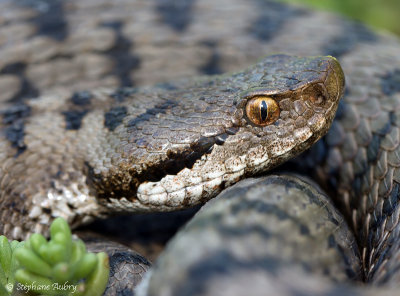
373 148
388 126
319 198
77 111
350 272
114 117
272 17
375 232
14 119
176 14
27 90
150 113
167 86
124 61
15 134
259 206
218 263
212 66
262 207
122 93
50 20
73 119
374 145
15 113
352 34
81 98
391 202
304 230
390 83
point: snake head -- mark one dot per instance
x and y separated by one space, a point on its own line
292 104
197 137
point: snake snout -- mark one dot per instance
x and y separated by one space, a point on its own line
322 93
326 95
325 89
335 81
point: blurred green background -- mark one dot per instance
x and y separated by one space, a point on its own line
377 13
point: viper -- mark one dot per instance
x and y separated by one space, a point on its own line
111 107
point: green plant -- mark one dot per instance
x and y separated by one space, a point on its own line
60 266
8 264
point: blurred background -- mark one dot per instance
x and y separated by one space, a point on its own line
381 14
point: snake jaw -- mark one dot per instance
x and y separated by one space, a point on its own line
168 149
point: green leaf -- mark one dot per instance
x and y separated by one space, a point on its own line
85 266
3 277
33 262
36 241
65 242
59 225
62 272
77 251
15 245
97 282
5 251
36 282
3 291
56 253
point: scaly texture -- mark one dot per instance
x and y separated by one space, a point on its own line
126 266
283 236
45 47
190 142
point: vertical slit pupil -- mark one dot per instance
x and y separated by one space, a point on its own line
264 110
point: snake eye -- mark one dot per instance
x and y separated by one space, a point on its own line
262 110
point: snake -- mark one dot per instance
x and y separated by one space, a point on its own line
142 106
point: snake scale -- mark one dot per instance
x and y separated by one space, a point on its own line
75 143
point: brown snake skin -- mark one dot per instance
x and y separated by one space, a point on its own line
55 50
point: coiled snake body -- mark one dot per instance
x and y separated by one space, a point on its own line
76 145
